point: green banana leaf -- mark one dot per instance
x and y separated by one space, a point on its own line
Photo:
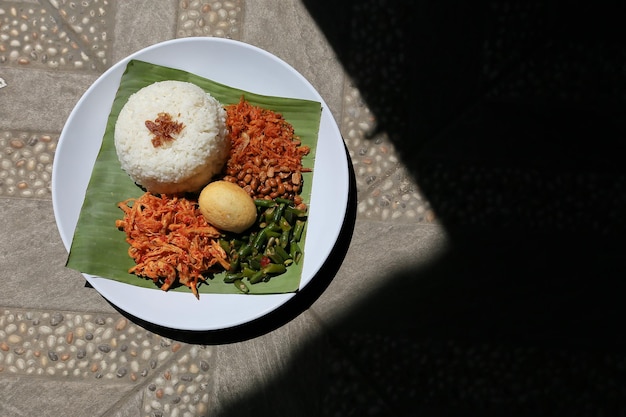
99 248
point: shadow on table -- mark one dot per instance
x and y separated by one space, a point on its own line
510 116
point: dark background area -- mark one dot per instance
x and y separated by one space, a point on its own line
510 115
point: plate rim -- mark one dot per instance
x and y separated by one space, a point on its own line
278 299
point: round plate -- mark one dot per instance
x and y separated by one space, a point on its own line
238 65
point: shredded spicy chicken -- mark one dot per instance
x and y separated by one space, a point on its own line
170 240
163 128
266 157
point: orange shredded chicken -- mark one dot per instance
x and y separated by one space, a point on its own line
266 157
170 241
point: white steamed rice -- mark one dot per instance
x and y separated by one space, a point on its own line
196 154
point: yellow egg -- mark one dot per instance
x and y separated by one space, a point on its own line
227 206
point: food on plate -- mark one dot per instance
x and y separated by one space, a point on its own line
171 138
265 157
222 187
227 206
170 241
267 249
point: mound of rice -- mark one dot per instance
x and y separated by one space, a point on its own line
191 157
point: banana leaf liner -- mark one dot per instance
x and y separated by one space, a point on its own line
99 248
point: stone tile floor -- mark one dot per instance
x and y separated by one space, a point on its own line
62 342
507 302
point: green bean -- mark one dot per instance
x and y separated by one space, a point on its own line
255 263
285 238
278 213
268 215
260 239
298 228
234 264
295 252
274 239
293 214
275 235
261 202
296 212
257 277
230 278
241 286
224 244
247 272
276 258
274 227
245 251
274 269
284 224
282 253
288 216
238 243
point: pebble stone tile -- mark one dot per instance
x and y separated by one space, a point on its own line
26 163
221 19
175 379
56 34
386 190
73 35
104 348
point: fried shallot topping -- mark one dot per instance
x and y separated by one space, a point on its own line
163 127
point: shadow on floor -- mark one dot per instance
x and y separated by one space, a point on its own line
510 115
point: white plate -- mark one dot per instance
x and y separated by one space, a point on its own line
238 65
